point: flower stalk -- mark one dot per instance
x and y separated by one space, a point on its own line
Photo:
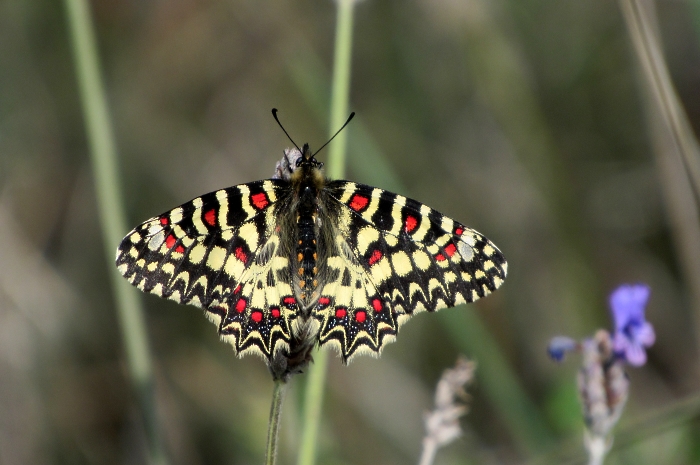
273 426
340 96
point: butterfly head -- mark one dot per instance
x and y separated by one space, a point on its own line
292 162
306 169
301 164
308 159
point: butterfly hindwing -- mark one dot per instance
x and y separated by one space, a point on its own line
353 315
409 258
219 252
258 315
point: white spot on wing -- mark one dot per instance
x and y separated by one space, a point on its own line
156 241
465 251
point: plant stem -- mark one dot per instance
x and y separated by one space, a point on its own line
273 426
676 148
340 93
111 213
313 398
429 451
597 447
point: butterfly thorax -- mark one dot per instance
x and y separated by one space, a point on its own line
307 184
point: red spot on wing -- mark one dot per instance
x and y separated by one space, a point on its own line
275 312
450 249
440 257
237 289
358 202
459 231
240 254
170 242
256 316
340 312
289 301
410 223
210 217
259 200
164 221
376 256
241 305
377 304
323 301
360 316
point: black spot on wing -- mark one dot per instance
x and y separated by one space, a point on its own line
346 278
436 218
235 213
382 218
413 205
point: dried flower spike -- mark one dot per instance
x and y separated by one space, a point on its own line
442 424
602 383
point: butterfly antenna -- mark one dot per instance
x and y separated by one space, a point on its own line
274 114
352 115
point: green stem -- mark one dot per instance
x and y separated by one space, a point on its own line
111 212
273 427
340 93
313 398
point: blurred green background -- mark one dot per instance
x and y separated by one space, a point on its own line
528 120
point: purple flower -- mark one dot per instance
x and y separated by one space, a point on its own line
632 332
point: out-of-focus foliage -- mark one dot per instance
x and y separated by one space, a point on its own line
524 119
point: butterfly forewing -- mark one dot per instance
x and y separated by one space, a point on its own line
219 252
403 257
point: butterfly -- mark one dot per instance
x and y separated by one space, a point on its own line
283 264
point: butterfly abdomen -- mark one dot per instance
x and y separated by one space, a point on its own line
308 185
306 234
